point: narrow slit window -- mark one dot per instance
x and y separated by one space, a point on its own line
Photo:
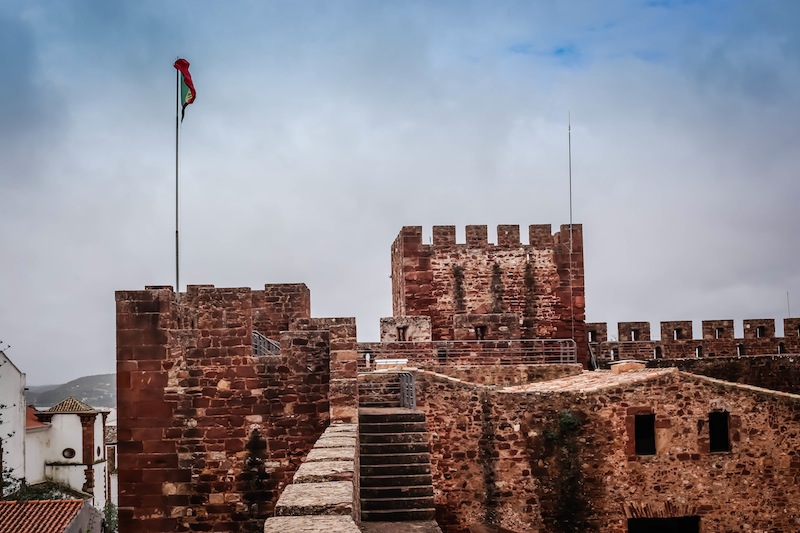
645 434
698 352
677 334
657 353
781 348
402 331
719 436
717 333
592 336
739 350
761 332
614 354
634 334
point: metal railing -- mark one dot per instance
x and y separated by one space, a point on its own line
262 346
373 356
408 391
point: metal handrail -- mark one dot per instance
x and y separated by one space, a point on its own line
491 352
408 392
263 346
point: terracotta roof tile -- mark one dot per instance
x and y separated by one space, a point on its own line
71 405
36 516
30 418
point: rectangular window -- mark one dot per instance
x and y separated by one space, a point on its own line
634 334
717 333
645 434
719 439
480 332
402 331
677 334
761 332
592 336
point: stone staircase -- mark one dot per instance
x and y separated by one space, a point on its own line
395 465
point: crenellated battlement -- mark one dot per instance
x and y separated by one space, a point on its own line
677 340
540 236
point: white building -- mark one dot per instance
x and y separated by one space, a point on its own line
66 444
12 418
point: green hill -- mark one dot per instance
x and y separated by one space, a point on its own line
97 391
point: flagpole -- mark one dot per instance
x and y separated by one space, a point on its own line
177 174
569 149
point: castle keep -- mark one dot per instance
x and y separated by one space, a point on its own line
239 411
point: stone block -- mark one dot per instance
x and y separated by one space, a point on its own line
316 472
310 524
329 498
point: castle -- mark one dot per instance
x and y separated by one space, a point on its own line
238 411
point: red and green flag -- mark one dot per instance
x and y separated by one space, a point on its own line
188 94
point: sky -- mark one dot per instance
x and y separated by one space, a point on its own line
321 128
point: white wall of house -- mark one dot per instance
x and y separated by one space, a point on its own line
37 442
12 416
65 433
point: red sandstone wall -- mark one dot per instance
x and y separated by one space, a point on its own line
531 281
190 395
717 340
495 456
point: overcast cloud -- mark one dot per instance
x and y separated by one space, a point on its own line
321 128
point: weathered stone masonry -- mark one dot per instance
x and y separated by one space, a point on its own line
509 289
210 433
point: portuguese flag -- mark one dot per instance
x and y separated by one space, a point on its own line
188 94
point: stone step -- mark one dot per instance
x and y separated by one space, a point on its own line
384 448
396 459
410 503
378 403
396 480
398 515
369 438
376 416
393 427
393 469
396 492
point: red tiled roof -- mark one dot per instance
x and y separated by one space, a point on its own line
35 516
30 418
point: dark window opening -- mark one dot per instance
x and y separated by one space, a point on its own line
592 336
681 524
480 332
698 352
739 350
761 331
68 453
614 354
781 348
634 334
798 331
645 434
677 334
719 439
718 333
657 353
402 331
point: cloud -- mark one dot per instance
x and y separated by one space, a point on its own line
320 129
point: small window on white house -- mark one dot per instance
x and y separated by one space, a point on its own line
68 453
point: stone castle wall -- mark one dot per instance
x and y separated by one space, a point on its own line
514 459
540 284
209 433
677 340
